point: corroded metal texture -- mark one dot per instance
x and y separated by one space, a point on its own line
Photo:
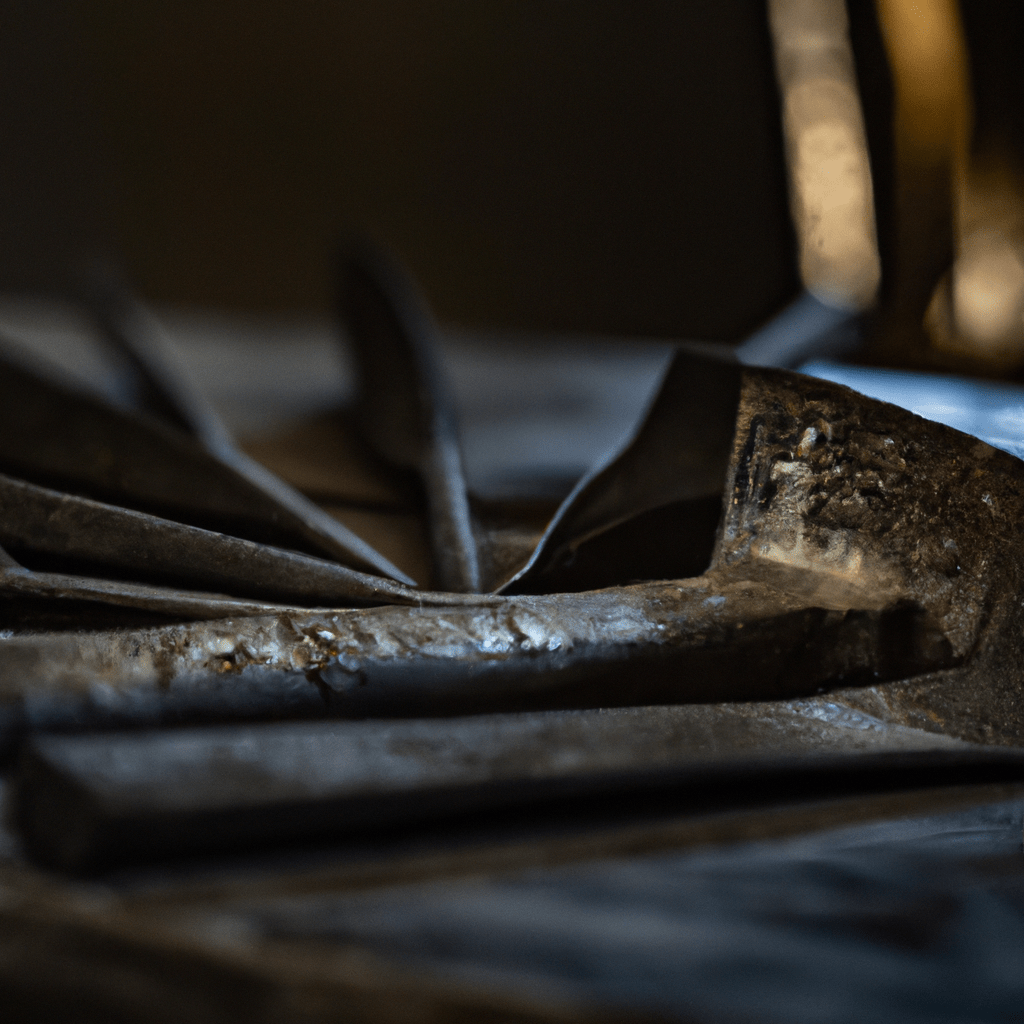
861 549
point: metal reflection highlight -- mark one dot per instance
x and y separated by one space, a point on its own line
831 194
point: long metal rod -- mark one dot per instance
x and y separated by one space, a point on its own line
90 801
42 520
404 408
131 329
60 435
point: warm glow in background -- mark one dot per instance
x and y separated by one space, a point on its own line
580 166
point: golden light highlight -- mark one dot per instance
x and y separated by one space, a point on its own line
831 195
988 295
925 43
978 310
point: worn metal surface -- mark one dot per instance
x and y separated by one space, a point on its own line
858 551
859 546
58 435
763 537
404 408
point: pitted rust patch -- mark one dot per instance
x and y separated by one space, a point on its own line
887 502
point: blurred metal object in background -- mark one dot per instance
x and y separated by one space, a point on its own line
830 187
955 294
977 312
831 191
953 291
931 124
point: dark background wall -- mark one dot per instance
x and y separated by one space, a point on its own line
600 165
54 175
608 165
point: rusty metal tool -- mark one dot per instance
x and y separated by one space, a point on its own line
403 406
134 332
861 549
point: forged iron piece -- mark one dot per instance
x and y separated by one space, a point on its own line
860 549
134 333
164 387
680 453
403 406
682 642
91 801
38 520
57 435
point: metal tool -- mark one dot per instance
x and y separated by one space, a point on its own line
58 435
39 520
92 801
799 539
169 393
858 544
679 454
403 405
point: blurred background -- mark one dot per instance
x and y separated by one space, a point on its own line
601 166
598 166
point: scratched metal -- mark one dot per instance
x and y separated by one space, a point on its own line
862 550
